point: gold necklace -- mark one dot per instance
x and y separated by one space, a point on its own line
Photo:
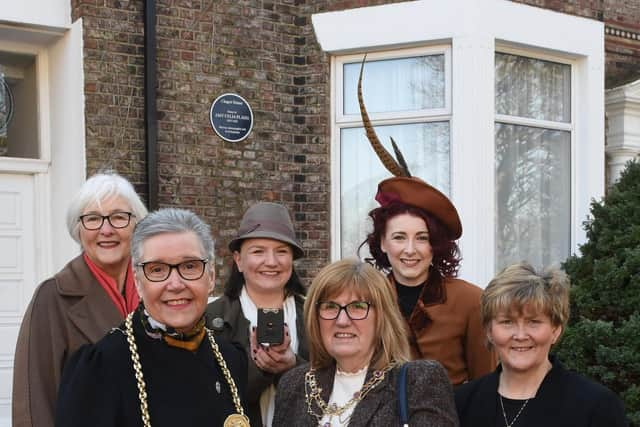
234 420
504 413
313 394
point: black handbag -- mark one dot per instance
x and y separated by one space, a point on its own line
402 396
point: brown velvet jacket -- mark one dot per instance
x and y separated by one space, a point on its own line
66 311
445 325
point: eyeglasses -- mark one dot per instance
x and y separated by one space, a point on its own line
156 271
356 310
116 219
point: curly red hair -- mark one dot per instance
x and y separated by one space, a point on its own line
446 254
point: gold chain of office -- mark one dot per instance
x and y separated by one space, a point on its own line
238 419
312 393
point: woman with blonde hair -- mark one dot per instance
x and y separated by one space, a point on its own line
358 349
524 313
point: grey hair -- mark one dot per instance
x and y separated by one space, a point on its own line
171 220
100 187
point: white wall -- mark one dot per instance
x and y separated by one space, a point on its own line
623 130
59 167
48 13
67 126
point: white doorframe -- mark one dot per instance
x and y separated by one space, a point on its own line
53 178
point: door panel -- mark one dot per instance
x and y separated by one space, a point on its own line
17 278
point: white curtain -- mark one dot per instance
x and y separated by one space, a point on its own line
425 147
533 164
405 84
532 88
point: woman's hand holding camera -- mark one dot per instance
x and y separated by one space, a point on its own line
275 358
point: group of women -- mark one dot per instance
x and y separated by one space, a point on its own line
124 335
360 348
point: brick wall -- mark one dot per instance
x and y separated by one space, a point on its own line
266 52
114 98
257 49
622 53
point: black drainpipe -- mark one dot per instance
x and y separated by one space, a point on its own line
150 106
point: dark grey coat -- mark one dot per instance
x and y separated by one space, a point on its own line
429 393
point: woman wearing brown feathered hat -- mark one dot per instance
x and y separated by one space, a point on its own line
414 239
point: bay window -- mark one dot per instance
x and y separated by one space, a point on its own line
503 117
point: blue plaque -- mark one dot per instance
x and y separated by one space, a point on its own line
231 117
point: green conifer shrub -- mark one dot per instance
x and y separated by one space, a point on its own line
602 340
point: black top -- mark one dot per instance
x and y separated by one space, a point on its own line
513 409
184 388
563 399
408 297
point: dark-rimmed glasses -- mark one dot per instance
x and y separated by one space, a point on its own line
156 271
356 310
116 219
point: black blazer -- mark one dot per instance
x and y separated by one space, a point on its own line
184 388
563 399
429 395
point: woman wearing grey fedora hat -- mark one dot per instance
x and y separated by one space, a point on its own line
263 276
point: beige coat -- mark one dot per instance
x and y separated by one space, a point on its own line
66 311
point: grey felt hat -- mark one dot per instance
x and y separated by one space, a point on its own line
266 220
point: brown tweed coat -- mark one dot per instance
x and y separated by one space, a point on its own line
66 311
429 394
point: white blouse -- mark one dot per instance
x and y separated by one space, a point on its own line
345 385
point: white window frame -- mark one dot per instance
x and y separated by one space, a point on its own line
475 29
61 166
550 125
343 121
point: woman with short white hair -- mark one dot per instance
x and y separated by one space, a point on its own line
90 295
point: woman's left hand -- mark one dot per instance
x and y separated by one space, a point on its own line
274 359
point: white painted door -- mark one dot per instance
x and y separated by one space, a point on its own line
17 272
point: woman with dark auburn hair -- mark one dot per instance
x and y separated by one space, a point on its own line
263 276
414 240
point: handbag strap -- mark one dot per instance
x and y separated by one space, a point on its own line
402 396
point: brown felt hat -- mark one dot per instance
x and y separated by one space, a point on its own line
415 192
266 220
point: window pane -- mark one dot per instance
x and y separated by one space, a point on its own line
404 84
425 146
533 195
18 106
533 88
